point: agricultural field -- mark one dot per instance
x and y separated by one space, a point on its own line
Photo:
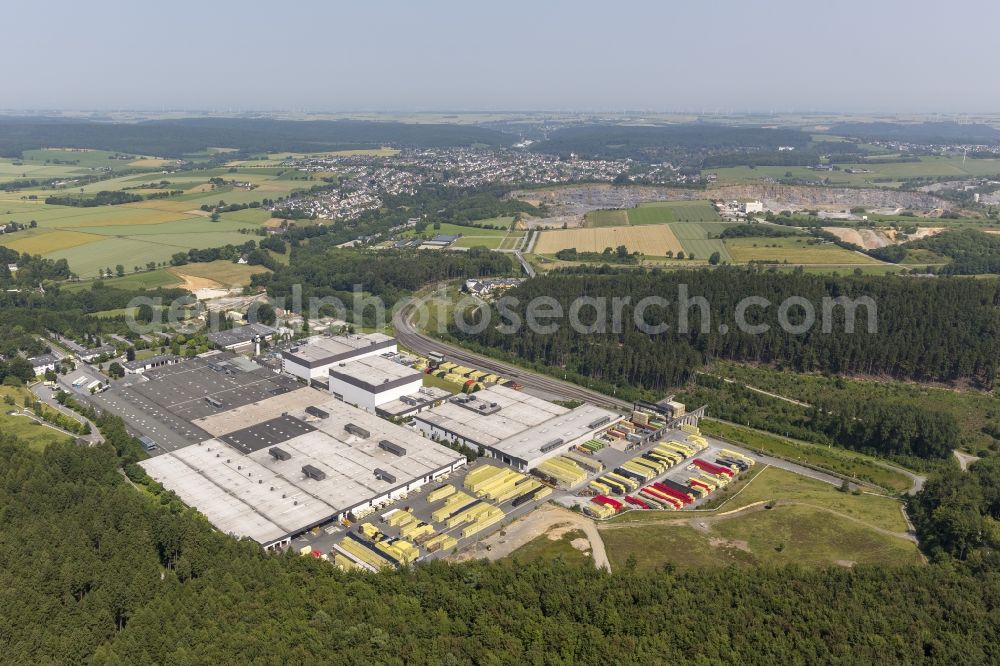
491 242
881 173
606 218
661 212
794 250
653 240
503 221
223 273
695 237
155 279
133 234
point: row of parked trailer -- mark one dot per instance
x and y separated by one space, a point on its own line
647 466
666 494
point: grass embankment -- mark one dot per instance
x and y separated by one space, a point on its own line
977 412
837 460
811 523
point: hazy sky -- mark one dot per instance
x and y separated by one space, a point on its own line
721 55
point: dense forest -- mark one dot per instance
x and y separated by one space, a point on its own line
23 315
885 428
943 330
958 514
388 274
92 570
651 143
176 138
972 252
926 132
102 198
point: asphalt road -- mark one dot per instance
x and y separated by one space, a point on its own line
45 394
537 384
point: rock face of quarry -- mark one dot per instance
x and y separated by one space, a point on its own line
569 204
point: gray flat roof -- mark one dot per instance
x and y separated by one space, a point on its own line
268 433
259 496
424 396
375 373
240 335
517 412
166 401
151 361
324 350
579 422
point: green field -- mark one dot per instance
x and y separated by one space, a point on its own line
136 233
606 218
146 280
694 237
799 535
660 212
883 174
504 222
226 273
491 242
835 459
794 250
35 435
811 523
544 548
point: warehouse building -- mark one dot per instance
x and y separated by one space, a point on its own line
139 366
373 381
313 359
163 402
514 427
242 338
278 467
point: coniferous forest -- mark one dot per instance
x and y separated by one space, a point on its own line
944 330
92 571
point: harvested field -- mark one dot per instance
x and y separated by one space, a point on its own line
653 240
42 242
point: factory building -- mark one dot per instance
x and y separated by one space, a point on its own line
278 467
513 427
312 359
372 381
242 338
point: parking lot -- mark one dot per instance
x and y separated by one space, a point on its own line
323 539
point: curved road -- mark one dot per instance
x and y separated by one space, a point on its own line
533 382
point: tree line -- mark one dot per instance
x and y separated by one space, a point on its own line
94 571
945 330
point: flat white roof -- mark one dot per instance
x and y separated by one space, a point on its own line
234 490
423 396
517 412
319 350
374 372
580 422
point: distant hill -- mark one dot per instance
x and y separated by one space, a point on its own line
929 132
175 138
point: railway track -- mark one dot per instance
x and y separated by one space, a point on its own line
533 382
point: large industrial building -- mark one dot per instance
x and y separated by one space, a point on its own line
517 428
313 358
372 381
241 338
275 466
